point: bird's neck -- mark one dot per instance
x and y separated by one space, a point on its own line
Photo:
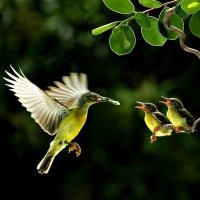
174 109
82 104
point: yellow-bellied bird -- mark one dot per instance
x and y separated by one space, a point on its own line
181 119
62 110
155 120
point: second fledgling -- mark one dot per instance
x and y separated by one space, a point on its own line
155 121
181 119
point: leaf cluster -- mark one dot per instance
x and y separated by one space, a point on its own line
122 39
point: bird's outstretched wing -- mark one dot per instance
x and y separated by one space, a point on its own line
45 110
160 117
74 86
185 114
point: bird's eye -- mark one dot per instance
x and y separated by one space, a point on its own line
147 106
93 97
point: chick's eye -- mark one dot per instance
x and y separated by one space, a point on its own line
147 106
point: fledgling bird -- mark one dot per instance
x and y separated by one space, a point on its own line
62 110
155 121
181 119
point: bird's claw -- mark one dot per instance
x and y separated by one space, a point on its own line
181 129
176 129
76 147
153 139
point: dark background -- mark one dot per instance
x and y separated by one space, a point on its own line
49 39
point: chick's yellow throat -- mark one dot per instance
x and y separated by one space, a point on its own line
151 122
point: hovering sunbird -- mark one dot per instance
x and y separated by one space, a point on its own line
62 110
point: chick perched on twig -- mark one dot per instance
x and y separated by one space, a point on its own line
181 119
155 121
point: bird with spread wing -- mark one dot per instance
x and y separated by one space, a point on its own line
62 110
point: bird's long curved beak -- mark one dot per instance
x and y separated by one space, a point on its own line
108 100
167 102
142 107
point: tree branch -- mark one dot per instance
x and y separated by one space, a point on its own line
182 36
193 129
194 125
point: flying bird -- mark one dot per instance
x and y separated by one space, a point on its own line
181 119
62 110
155 121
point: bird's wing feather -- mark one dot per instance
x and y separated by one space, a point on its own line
74 86
185 114
44 109
160 117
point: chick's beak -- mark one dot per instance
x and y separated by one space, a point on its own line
167 102
108 100
142 107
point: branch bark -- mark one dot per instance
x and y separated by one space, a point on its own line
182 36
193 129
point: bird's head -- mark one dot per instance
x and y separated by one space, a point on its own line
90 98
172 102
147 107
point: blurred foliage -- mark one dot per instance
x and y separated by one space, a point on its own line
49 39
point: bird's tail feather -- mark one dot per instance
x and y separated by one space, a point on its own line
45 164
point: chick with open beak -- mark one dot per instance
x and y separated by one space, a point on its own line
181 119
155 121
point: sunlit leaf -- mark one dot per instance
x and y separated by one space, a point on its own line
190 6
194 24
150 3
104 28
122 40
153 35
174 21
143 20
193 5
120 6
180 12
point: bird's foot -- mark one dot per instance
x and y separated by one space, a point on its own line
76 147
176 129
153 139
181 129
156 129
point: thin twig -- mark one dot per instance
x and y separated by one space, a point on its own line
182 36
163 5
149 10
194 125
193 129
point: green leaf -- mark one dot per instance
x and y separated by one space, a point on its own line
174 21
193 5
120 6
190 6
153 35
150 3
122 40
194 24
180 12
104 28
143 20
